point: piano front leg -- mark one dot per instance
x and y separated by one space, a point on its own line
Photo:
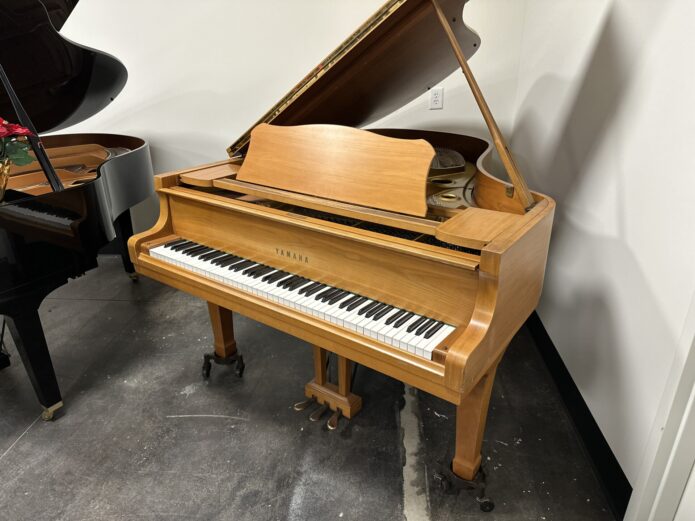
30 341
471 415
226 352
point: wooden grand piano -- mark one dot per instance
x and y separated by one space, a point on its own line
394 249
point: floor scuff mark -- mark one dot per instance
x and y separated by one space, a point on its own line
207 416
415 501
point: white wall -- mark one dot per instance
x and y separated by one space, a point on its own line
597 96
604 123
686 510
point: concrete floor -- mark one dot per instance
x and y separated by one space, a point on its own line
142 436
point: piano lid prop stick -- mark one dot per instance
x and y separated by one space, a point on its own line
517 179
34 140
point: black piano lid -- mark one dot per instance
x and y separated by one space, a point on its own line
59 82
394 57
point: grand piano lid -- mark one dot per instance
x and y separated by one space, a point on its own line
59 82
394 57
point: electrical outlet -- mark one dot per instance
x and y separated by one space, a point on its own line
436 98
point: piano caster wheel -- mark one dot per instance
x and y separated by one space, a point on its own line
486 505
442 481
235 360
316 415
300 406
207 366
332 422
134 277
449 483
240 366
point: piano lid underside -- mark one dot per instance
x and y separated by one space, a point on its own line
393 58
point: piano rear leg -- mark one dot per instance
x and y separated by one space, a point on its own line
30 341
337 398
226 352
124 230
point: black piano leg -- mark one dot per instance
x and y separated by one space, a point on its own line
4 360
30 341
124 230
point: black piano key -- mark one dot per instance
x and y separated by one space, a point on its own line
329 289
300 283
274 277
309 287
371 304
211 255
223 258
394 316
424 327
199 253
431 331
357 303
171 244
403 319
195 247
252 270
284 281
263 272
415 324
337 298
349 301
374 310
294 283
183 246
310 292
226 261
330 295
242 265
382 313
196 251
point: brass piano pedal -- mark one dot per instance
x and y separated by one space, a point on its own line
332 422
316 415
300 406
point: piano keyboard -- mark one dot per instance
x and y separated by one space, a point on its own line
44 214
396 327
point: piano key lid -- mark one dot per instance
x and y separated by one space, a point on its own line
394 57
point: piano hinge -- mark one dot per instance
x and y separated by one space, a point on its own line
509 192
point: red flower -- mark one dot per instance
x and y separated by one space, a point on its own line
10 129
19 130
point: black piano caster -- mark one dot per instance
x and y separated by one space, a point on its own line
48 414
235 360
449 483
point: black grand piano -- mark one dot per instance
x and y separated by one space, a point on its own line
60 210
